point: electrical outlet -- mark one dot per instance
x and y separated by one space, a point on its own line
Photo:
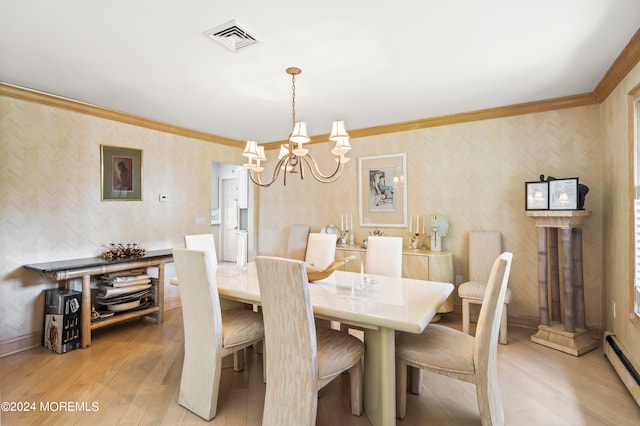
458 279
199 220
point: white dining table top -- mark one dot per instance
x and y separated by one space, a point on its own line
397 303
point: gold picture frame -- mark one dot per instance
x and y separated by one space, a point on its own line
120 173
382 190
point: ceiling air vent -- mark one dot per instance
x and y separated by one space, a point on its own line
231 35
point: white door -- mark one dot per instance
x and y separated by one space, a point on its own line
229 219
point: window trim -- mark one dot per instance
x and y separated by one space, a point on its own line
634 182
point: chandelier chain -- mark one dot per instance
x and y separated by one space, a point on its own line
293 100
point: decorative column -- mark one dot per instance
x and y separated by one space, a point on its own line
562 310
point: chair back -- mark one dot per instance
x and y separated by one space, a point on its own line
202 322
321 250
202 242
484 248
488 328
384 256
290 341
297 246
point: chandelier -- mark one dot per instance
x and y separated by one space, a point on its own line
293 158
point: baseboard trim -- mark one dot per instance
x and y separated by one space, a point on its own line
623 364
21 343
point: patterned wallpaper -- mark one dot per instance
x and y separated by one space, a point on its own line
474 174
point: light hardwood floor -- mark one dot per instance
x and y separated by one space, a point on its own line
132 374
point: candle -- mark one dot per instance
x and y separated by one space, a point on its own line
342 222
424 222
352 221
410 224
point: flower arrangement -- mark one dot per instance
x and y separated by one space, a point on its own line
122 251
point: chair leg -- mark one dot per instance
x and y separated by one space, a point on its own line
357 389
465 316
238 360
489 401
401 389
503 326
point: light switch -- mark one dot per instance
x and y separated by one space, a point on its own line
164 198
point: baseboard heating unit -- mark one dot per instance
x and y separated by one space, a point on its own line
623 364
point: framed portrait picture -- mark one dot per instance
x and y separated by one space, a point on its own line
382 190
536 195
563 194
121 173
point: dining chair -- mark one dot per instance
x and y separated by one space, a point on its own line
484 247
321 249
301 359
452 353
384 256
297 245
209 333
202 242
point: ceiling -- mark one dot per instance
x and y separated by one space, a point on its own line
370 63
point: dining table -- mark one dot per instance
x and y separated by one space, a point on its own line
386 306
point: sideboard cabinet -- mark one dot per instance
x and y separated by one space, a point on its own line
94 266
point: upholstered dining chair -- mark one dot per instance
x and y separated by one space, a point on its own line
484 247
209 333
384 256
321 249
450 352
202 242
301 359
297 245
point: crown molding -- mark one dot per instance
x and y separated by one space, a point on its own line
626 60
109 114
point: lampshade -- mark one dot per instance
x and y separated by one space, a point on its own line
338 131
284 150
299 133
261 156
342 147
251 149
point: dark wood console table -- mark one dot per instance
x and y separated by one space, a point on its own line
562 325
88 267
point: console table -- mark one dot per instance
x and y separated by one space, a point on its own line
88 267
418 264
562 325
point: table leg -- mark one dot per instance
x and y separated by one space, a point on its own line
160 293
85 312
380 376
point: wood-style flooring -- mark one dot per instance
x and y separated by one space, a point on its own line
131 375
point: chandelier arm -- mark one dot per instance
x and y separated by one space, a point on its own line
276 172
319 176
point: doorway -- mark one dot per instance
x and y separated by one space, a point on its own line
229 219
232 206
